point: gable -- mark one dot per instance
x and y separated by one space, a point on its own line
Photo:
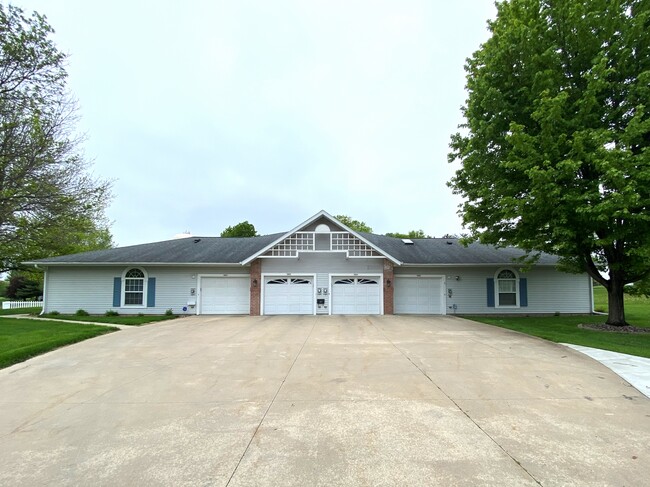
312 241
321 233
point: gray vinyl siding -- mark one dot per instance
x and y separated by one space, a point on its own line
91 288
549 291
327 263
322 282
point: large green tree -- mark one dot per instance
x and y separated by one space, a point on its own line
411 234
46 189
356 225
555 151
243 229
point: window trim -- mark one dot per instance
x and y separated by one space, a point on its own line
497 301
145 282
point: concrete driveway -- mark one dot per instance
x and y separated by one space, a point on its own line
328 401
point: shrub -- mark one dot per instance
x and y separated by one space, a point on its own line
54 313
141 314
169 312
111 312
82 312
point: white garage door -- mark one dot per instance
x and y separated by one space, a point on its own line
419 295
225 295
289 296
356 296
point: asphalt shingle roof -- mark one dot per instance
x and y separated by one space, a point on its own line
216 250
189 250
449 251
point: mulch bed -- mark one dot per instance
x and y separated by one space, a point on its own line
612 328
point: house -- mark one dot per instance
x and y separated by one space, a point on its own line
320 267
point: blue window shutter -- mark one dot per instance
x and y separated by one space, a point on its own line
117 292
151 292
490 292
523 292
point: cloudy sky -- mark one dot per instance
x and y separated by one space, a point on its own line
208 113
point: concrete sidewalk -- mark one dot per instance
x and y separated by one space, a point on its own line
635 370
320 401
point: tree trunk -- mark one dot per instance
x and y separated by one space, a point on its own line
616 312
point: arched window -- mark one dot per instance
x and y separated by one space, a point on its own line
507 293
134 287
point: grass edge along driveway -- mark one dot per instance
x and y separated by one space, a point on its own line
564 329
21 339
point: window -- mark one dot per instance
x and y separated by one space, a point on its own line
506 288
134 287
278 281
300 281
283 280
344 281
366 281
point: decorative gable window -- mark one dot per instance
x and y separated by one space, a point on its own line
321 242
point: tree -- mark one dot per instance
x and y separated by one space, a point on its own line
356 225
243 229
554 150
411 234
639 288
45 184
23 286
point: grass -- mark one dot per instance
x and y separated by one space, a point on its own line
21 311
564 329
133 320
21 339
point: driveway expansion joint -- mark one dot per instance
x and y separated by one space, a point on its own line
506 452
257 428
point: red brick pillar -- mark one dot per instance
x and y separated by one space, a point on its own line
389 283
256 286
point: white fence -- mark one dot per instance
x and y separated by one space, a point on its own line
21 304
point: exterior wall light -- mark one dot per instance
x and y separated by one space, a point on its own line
387 282
254 282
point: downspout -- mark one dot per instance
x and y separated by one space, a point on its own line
44 288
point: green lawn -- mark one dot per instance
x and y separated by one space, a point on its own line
564 329
21 339
20 311
115 320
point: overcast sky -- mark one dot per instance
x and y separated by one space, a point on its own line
209 113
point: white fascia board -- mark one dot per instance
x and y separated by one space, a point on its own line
368 243
166 264
282 237
478 264
321 213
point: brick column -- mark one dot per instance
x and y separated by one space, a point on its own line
389 283
256 286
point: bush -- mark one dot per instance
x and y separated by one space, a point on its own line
111 312
169 312
54 313
140 314
82 312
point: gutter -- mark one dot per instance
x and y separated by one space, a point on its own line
162 264
477 264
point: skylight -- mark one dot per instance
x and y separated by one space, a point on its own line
407 241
